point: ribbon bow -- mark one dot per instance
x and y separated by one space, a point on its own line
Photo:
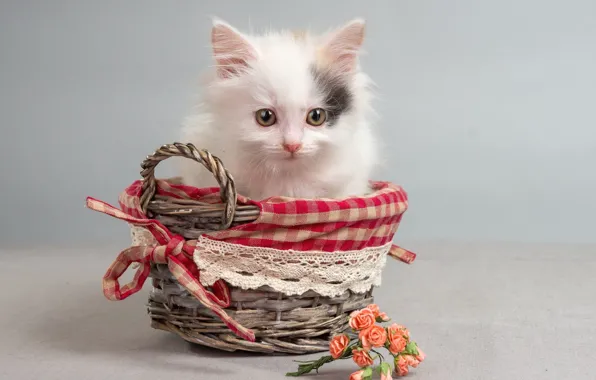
172 250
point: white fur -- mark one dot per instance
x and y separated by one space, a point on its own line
274 72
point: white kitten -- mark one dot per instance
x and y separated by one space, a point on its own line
288 113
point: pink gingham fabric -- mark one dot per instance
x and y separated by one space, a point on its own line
302 224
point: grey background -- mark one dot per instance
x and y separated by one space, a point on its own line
488 105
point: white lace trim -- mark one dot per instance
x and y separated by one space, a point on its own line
141 236
291 272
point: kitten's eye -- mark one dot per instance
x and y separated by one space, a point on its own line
265 117
316 117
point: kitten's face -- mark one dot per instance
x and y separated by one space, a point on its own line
286 99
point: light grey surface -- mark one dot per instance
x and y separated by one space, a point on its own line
487 107
480 312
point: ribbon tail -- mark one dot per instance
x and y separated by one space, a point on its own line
221 294
105 208
111 286
158 230
401 254
186 279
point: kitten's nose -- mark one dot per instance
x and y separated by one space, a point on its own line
292 148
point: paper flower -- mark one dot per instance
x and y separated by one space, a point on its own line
401 366
338 345
385 370
363 348
362 319
396 338
379 316
362 357
374 336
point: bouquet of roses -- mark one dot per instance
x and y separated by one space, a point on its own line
362 347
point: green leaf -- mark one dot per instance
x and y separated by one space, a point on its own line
385 368
347 352
367 375
411 348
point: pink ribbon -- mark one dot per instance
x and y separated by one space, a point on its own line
172 250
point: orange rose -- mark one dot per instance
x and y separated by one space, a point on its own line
421 355
397 345
362 319
361 357
357 375
338 345
412 361
403 329
401 366
374 336
382 317
397 340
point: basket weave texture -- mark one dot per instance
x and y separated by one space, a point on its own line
281 323
293 325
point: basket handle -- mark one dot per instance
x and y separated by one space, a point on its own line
213 164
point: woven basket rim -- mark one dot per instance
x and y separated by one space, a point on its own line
214 190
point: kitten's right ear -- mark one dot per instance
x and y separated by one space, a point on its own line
231 49
341 47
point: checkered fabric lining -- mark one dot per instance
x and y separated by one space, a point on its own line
286 223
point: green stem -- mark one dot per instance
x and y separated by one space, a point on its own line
305 368
381 357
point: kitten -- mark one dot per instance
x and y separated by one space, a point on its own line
288 113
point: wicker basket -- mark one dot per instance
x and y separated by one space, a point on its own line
282 324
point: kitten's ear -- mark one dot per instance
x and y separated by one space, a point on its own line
231 49
341 47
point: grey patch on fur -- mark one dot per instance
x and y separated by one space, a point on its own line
338 98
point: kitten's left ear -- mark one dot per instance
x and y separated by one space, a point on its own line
340 48
231 49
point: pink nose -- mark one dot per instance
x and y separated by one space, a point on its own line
292 148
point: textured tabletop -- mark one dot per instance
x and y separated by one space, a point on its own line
479 311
